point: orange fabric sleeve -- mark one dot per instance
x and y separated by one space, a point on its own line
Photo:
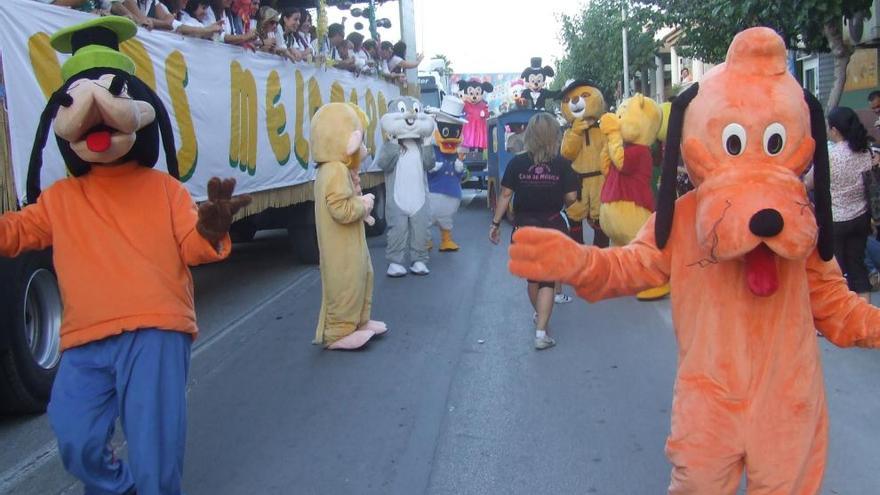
194 248
844 319
625 270
25 230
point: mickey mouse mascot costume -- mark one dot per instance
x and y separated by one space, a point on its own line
535 96
123 236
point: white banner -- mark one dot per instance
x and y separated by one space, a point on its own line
211 90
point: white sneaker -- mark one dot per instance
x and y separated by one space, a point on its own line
544 342
396 271
419 268
562 299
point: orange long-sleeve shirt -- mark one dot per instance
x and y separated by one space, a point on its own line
122 237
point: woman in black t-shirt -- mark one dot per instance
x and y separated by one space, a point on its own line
543 183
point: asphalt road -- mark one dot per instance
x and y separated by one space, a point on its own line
453 400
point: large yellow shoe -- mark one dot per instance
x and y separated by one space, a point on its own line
446 242
653 294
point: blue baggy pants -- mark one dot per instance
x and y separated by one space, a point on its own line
139 377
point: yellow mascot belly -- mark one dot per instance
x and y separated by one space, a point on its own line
622 220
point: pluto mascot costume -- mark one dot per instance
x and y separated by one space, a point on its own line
336 135
583 142
123 236
444 179
405 159
627 197
750 282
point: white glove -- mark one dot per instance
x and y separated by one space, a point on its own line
459 166
437 166
368 200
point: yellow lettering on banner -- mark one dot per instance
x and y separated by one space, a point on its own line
44 61
177 76
315 100
383 105
373 116
143 66
337 93
243 130
301 147
276 119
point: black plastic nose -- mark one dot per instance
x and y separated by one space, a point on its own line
766 223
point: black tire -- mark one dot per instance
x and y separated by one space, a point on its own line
31 320
243 230
304 240
378 228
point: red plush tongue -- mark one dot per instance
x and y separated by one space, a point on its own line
761 271
98 141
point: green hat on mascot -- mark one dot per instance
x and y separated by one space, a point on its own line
95 43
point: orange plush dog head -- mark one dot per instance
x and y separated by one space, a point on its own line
746 133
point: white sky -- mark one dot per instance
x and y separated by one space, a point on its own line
479 35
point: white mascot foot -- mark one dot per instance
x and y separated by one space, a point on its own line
352 341
419 268
395 270
377 327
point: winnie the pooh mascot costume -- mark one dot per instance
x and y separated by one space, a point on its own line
627 196
750 282
582 106
123 236
336 135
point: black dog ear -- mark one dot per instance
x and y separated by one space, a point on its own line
164 122
671 156
821 178
487 87
548 71
36 161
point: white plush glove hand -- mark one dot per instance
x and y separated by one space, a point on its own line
369 200
459 166
437 166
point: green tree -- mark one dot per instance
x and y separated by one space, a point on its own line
813 25
594 45
447 65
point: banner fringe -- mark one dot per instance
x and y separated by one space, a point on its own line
291 195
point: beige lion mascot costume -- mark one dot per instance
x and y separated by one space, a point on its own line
752 272
582 105
337 134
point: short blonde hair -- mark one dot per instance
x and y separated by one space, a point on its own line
542 137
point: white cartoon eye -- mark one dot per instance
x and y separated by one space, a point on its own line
733 139
417 108
445 132
401 107
774 139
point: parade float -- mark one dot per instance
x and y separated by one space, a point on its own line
234 112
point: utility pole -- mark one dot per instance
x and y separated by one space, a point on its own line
408 35
625 52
